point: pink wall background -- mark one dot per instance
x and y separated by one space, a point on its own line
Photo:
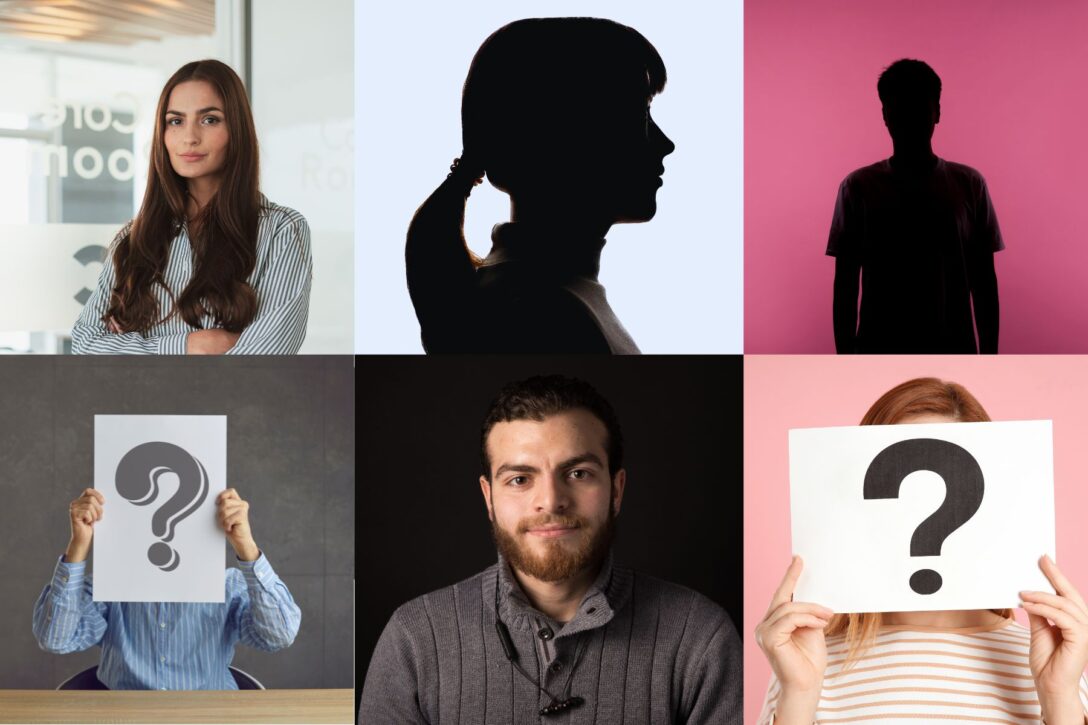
1014 106
783 392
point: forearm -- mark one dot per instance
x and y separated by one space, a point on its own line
77 552
987 318
1062 709
278 331
270 619
845 307
97 340
796 708
65 618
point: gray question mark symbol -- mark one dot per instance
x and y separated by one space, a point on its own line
88 255
964 487
137 480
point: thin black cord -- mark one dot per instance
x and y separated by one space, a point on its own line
556 706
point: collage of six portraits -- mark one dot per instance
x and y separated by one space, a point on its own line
649 322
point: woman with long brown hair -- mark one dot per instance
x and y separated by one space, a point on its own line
209 265
977 665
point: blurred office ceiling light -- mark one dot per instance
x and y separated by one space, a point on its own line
118 22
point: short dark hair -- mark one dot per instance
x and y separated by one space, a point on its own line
910 78
541 396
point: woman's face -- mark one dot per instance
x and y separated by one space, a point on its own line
195 131
641 176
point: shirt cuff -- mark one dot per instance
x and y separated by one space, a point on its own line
173 344
257 573
67 576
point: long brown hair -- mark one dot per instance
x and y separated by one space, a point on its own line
223 234
906 400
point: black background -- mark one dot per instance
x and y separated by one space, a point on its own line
421 522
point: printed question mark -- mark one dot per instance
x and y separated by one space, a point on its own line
91 254
963 483
137 480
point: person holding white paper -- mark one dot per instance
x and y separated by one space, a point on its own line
166 645
978 665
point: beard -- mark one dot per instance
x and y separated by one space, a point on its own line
561 559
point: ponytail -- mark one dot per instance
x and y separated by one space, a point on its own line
440 266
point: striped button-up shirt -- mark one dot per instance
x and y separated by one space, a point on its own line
167 645
281 279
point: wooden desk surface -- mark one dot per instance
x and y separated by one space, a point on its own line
194 706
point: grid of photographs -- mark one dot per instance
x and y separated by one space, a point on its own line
709 363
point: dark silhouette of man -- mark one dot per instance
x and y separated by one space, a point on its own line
920 232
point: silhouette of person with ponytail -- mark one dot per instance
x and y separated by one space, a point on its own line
921 232
556 113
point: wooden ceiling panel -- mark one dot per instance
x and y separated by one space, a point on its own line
117 22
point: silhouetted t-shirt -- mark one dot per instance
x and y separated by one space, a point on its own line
916 237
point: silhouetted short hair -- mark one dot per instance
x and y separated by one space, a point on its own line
543 396
911 79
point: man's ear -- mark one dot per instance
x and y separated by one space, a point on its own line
619 482
485 489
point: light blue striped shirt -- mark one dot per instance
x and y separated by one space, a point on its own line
167 645
281 279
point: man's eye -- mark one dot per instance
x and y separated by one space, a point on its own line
579 474
519 480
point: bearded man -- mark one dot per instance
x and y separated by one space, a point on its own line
555 632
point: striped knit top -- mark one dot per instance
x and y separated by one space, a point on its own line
639 651
916 674
281 279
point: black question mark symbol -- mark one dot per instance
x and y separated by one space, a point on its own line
137 480
964 487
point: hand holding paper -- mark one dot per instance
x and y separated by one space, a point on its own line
82 514
917 517
232 513
1059 651
161 475
791 635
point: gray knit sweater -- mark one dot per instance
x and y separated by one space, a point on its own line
643 652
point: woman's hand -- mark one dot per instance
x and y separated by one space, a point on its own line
210 342
1059 651
791 636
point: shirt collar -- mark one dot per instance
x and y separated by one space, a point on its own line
608 593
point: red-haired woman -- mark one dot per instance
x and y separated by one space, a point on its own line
209 265
973 665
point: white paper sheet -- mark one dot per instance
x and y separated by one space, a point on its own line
857 551
156 542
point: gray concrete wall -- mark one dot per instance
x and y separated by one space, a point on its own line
288 418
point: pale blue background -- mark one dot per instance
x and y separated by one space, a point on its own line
675 282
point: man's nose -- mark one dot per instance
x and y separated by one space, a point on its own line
552 495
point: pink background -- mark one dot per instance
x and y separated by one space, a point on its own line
1014 106
783 392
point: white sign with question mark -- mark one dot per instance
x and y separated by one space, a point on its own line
158 540
922 517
